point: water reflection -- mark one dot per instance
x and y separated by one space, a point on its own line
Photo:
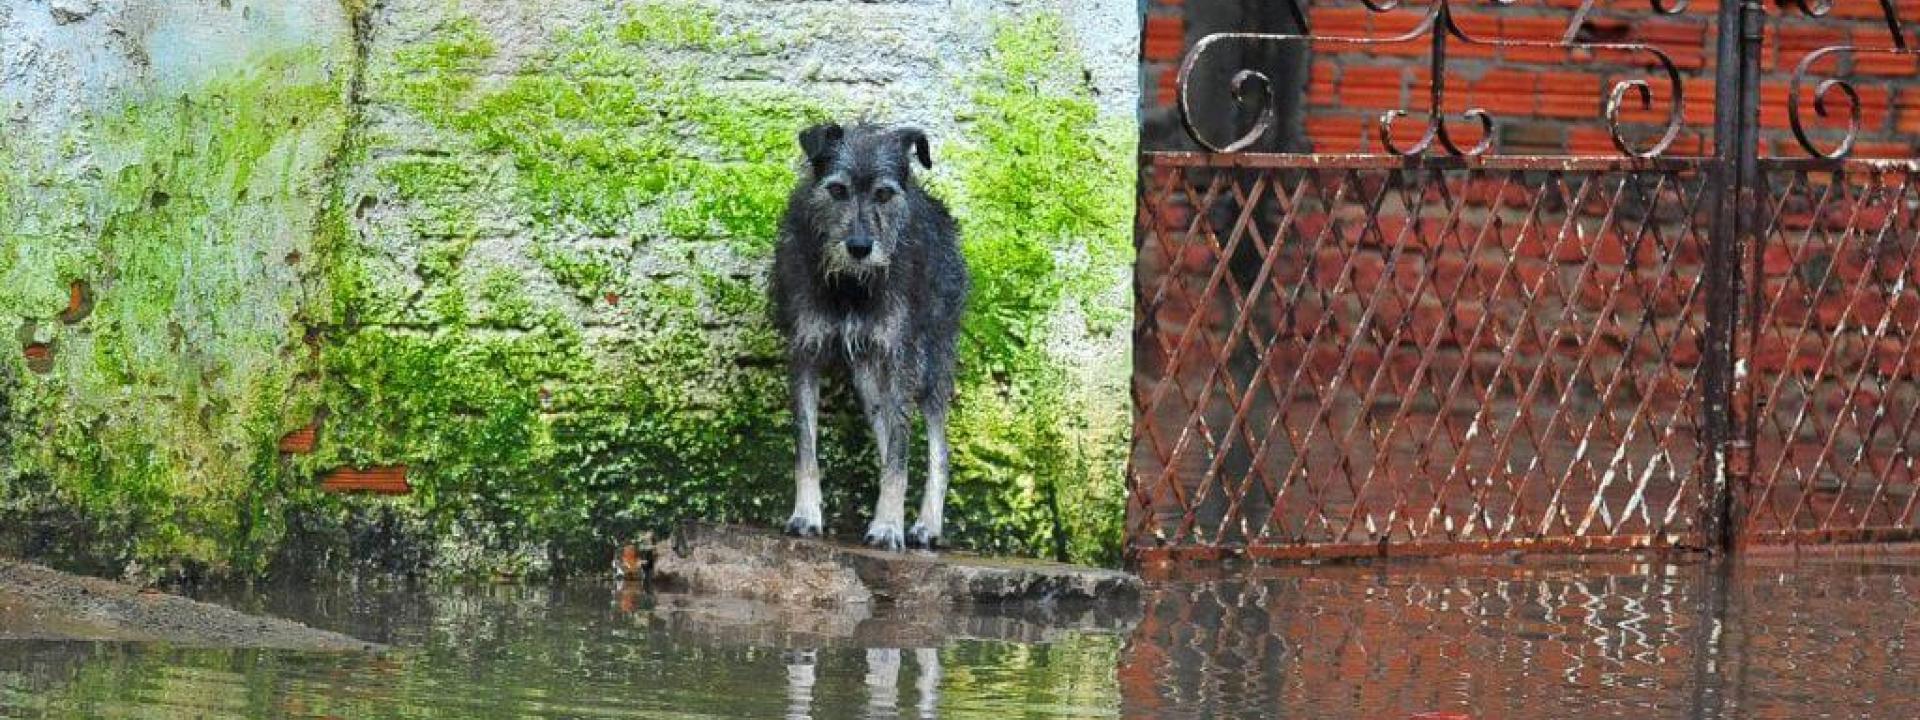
800 679
927 685
1630 638
1608 637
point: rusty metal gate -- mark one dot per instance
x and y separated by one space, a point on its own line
1444 348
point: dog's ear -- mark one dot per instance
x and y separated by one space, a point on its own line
914 140
819 143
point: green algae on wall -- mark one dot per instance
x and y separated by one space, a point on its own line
641 397
535 279
150 438
546 398
1044 192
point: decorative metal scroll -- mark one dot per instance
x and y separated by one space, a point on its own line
1819 8
1438 26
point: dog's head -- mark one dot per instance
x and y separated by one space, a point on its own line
860 192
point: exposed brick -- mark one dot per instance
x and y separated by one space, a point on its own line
1849 306
1683 350
79 302
1477 24
1773 106
1340 21
383 480
1876 103
1907 115
1794 42
1505 92
1776 260
1570 95
1171 216
1776 352
1372 87
1683 41
1538 55
1611 248
1889 358
1531 138
1699 106
1534 28
1198 257
299 442
1325 359
1163 37
1365 270
1394 24
39 357
1547 242
1321 84
1590 141
1872 63
1301 318
1339 133
1425 315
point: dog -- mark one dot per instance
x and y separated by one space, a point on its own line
868 276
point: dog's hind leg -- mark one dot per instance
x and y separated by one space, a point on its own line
888 415
933 502
806 467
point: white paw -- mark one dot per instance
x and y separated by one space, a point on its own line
885 536
919 536
803 526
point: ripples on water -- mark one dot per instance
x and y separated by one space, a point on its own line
1604 638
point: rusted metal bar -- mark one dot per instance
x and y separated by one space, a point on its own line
1437 26
1335 551
1736 50
1354 161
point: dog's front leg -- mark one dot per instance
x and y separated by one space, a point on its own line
926 529
887 413
806 467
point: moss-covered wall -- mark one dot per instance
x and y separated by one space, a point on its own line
519 249
158 220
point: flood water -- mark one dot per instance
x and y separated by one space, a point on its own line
1631 638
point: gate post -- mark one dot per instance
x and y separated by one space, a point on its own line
1733 179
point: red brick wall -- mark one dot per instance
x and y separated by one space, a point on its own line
1550 100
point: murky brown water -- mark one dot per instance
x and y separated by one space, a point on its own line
1540 639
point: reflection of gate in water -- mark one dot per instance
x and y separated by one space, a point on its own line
1539 638
1447 349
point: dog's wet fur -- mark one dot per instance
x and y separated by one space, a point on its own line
868 276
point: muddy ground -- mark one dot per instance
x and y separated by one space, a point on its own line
38 603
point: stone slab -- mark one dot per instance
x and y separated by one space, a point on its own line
761 564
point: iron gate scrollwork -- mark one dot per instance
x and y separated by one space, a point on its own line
1447 348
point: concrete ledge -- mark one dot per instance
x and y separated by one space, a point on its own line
758 564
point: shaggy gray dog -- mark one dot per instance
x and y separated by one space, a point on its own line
868 276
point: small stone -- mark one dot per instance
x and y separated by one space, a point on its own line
70 11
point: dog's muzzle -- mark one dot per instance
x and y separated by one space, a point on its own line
859 247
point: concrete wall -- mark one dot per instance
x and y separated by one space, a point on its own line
518 250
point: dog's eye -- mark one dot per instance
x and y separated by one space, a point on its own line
837 190
881 195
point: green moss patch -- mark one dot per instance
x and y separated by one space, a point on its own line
1044 192
151 438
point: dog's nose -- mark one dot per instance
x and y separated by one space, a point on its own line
859 247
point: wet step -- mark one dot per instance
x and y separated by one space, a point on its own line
761 564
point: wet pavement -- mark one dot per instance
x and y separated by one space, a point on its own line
1613 637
